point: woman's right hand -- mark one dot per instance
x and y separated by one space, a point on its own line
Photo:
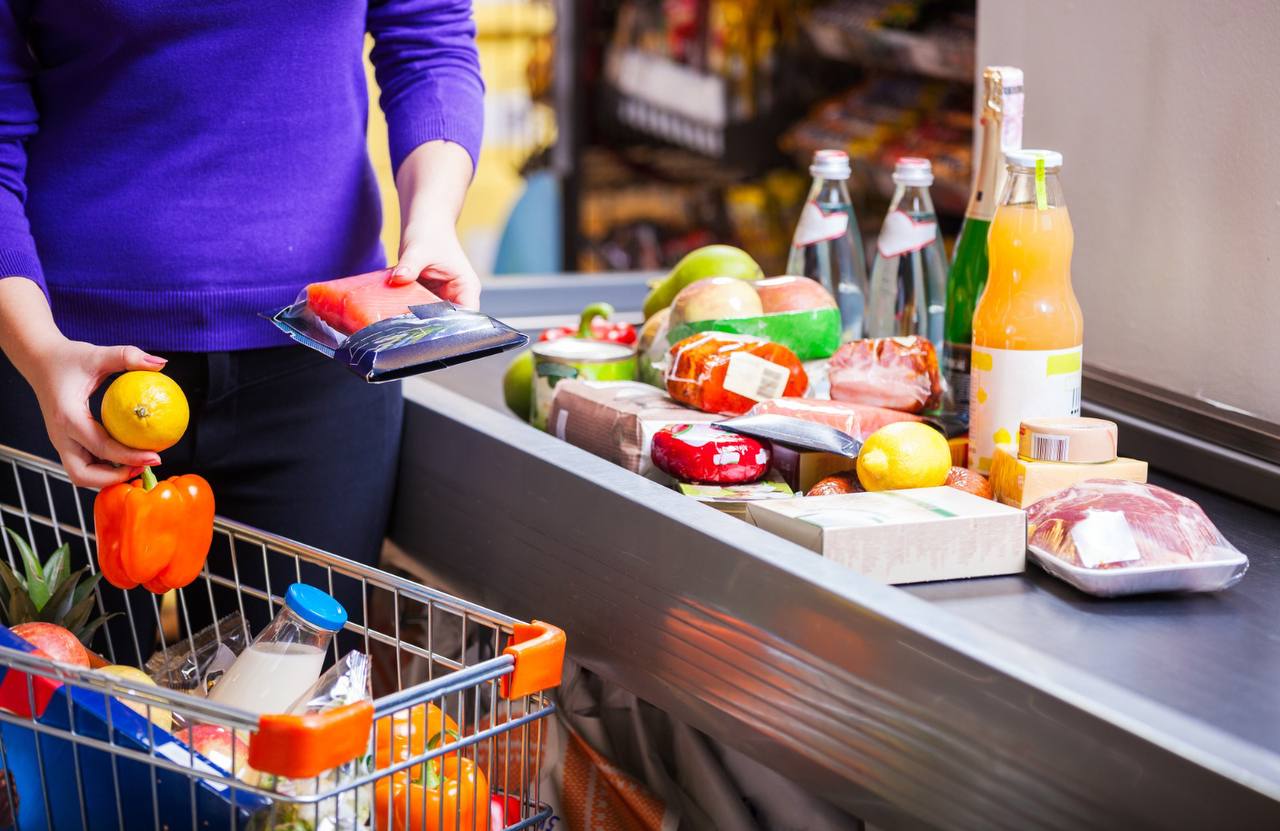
64 376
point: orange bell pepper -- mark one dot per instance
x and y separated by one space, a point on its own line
156 534
455 794
404 734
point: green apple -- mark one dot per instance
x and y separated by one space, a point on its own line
708 261
161 718
517 385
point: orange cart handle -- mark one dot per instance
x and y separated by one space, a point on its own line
302 746
538 650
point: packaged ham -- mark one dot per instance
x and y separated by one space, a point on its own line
718 372
857 420
704 453
1111 537
898 373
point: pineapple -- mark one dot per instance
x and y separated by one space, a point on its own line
48 592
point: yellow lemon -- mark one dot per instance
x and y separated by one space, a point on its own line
906 454
145 411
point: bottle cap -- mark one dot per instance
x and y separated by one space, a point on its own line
830 164
913 171
1071 439
1027 158
315 607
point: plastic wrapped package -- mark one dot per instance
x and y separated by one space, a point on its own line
717 372
705 453
1112 537
795 432
898 373
180 667
857 420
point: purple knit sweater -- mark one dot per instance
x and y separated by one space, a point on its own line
170 170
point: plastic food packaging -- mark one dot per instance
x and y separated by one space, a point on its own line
846 482
898 373
723 373
382 332
216 648
856 420
795 432
1111 537
735 499
705 453
972 481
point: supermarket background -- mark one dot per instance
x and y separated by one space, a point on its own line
622 133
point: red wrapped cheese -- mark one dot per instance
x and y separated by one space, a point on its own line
705 453
718 372
857 420
898 373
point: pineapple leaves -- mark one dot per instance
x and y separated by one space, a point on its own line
59 603
51 593
86 635
58 566
36 586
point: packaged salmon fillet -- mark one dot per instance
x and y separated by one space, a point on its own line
719 372
898 373
383 332
858 420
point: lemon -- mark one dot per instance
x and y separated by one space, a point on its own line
145 411
906 454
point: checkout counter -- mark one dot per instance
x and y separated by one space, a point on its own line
1010 702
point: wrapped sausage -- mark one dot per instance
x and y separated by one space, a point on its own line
718 372
857 420
846 482
898 373
705 453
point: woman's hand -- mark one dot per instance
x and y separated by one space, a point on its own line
64 373
432 183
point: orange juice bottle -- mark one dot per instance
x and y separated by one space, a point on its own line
1028 332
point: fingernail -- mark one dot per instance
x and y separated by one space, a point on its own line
155 360
155 460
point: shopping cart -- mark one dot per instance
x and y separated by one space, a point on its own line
81 749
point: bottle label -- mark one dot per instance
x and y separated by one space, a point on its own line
1009 385
901 234
956 366
817 225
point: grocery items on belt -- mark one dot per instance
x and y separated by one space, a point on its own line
734 499
907 454
382 332
898 373
1001 130
706 454
802 470
905 536
827 245
723 373
837 483
1113 537
145 410
651 349
575 358
595 323
796 432
793 311
154 533
286 657
968 480
908 284
708 261
856 420
48 592
1028 330
517 385
616 420
1054 453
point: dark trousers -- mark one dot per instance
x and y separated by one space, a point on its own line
291 442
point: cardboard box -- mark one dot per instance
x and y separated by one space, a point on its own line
616 420
910 536
1018 482
734 499
801 469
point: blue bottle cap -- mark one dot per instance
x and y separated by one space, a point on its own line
315 607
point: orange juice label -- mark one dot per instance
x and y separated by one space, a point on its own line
1009 385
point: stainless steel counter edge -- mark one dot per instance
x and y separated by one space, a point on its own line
898 711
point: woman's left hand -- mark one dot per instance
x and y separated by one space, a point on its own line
432 183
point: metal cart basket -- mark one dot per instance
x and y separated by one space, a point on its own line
451 739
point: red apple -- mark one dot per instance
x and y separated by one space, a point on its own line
715 298
792 294
215 744
54 641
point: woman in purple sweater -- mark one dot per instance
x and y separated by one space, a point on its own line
167 172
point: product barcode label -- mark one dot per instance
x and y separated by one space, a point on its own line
753 377
1050 448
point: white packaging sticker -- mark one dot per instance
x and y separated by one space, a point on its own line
182 755
562 420
753 377
901 235
1104 537
1009 385
817 225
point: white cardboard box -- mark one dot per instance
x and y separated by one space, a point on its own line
910 536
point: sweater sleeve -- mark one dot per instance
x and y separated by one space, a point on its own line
428 71
17 124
